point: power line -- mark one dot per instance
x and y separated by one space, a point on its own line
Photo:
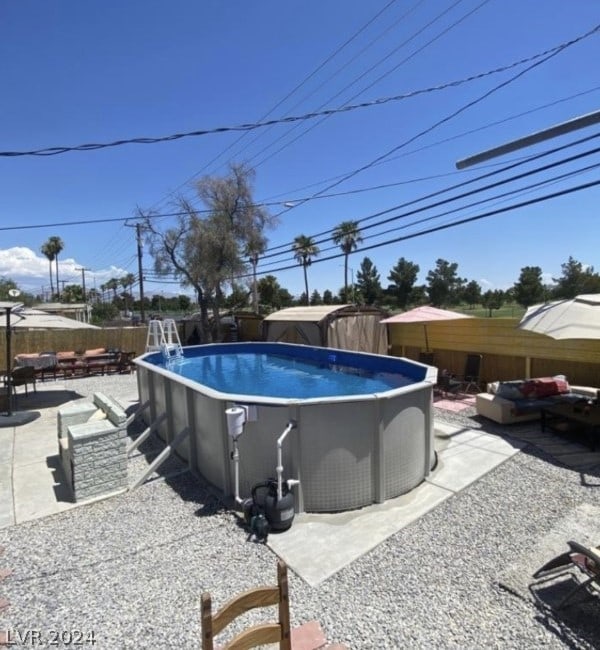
447 118
515 206
515 116
460 185
52 151
517 191
380 78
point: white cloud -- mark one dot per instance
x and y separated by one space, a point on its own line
31 272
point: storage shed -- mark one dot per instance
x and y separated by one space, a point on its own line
337 326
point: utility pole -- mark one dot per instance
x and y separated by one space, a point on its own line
83 270
138 233
138 236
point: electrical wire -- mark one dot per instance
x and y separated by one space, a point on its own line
380 78
513 165
52 151
281 101
504 195
447 118
510 208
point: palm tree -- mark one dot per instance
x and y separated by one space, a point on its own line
348 236
304 248
127 281
48 251
51 248
113 284
254 249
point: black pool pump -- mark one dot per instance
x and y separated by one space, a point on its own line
266 511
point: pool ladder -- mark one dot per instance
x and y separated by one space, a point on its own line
163 336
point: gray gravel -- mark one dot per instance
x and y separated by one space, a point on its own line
131 569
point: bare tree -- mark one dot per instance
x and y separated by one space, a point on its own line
207 253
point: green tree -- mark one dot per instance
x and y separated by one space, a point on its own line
327 297
103 312
347 236
285 298
492 300
368 283
272 295
444 286
238 298
403 277
72 293
304 249
184 302
529 289
315 298
472 294
575 280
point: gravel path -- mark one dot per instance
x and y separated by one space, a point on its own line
131 569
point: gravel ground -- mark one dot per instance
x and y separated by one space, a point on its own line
131 569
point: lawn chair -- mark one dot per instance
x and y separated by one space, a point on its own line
259 634
448 384
584 558
470 378
22 376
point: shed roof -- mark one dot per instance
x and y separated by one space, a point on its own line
317 313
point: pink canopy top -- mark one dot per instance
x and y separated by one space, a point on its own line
424 314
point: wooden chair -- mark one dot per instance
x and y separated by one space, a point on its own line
251 599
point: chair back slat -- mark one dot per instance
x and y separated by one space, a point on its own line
250 599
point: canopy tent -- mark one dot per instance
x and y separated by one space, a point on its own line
338 326
425 314
578 318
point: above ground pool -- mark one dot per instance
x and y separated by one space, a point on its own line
363 422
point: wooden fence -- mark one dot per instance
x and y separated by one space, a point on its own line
508 352
130 339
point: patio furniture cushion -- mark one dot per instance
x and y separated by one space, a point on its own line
95 352
540 387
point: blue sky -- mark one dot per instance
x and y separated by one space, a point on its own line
75 73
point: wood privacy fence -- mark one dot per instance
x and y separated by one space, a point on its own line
508 353
130 339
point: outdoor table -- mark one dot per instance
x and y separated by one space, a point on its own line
580 416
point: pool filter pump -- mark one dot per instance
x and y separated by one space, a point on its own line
279 511
271 506
265 511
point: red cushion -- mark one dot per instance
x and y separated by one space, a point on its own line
544 387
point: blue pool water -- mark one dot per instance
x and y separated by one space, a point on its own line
276 375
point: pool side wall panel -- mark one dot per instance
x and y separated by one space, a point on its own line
347 452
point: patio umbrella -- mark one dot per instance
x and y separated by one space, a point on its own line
425 314
578 318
